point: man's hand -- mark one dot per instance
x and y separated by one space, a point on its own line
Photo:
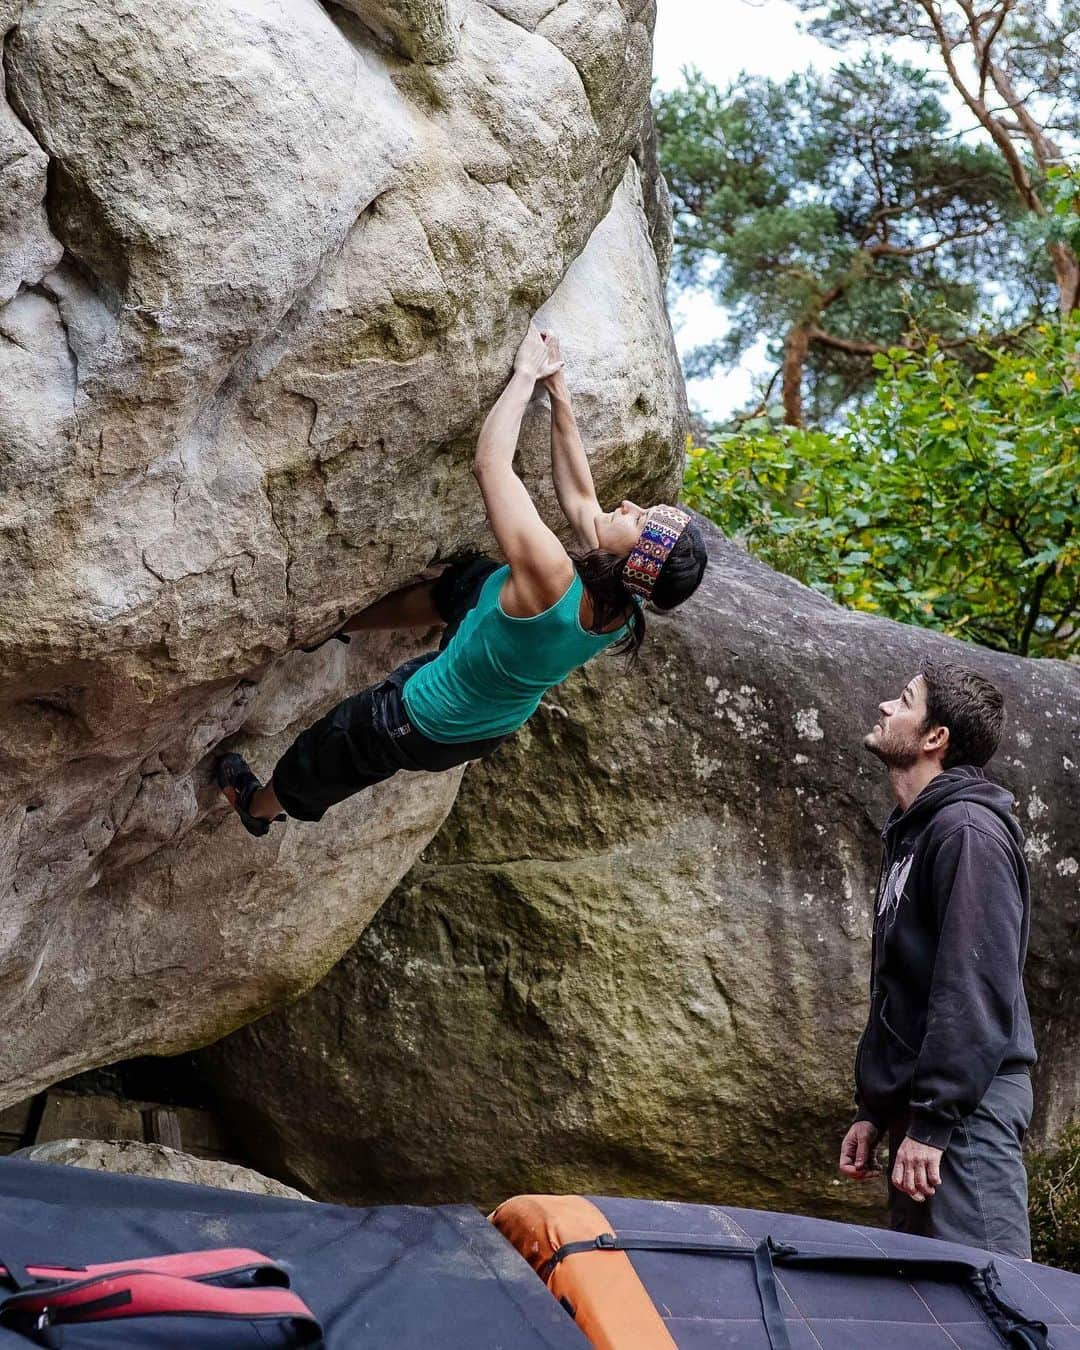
917 1170
857 1152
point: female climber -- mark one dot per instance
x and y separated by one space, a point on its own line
512 632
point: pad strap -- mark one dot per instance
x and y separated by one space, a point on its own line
982 1283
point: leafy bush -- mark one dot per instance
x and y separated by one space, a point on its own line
950 499
1054 1201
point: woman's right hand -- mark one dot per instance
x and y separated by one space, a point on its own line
551 342
534 357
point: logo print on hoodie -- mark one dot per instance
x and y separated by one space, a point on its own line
892 889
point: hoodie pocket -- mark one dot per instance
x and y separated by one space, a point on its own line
892 1032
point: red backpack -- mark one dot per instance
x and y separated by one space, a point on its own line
229 1283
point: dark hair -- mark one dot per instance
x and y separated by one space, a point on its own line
682 572
602 576
970 706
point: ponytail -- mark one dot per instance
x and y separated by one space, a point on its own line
601 574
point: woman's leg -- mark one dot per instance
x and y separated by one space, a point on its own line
425 604
264 803
428 604
240 787
350 748
411 607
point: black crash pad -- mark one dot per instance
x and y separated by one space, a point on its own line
398 1276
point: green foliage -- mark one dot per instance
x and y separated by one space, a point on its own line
950 499
1054 1201
843 204
1063 193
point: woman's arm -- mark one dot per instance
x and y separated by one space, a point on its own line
540 569
574 485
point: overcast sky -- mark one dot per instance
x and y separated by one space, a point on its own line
722 37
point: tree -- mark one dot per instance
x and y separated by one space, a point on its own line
1015 64
950 498
833 213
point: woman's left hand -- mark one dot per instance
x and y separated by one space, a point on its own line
533 357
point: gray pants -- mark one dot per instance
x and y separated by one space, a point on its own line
982 1199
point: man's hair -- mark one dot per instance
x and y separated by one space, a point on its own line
969 705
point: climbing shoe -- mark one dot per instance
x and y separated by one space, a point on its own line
234 772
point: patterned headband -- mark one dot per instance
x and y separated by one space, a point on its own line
662 530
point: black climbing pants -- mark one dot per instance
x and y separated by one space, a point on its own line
368 737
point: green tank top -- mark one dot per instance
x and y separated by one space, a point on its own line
496 669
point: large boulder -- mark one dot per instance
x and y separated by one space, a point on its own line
296 267
28 248
634 961
129 1158
265 265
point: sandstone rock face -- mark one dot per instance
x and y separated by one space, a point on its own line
162 922
265 264
27 247
155 1160
424 30
635 958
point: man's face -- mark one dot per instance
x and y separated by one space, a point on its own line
898 737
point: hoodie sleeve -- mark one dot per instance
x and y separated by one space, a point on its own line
976 982
863 1112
